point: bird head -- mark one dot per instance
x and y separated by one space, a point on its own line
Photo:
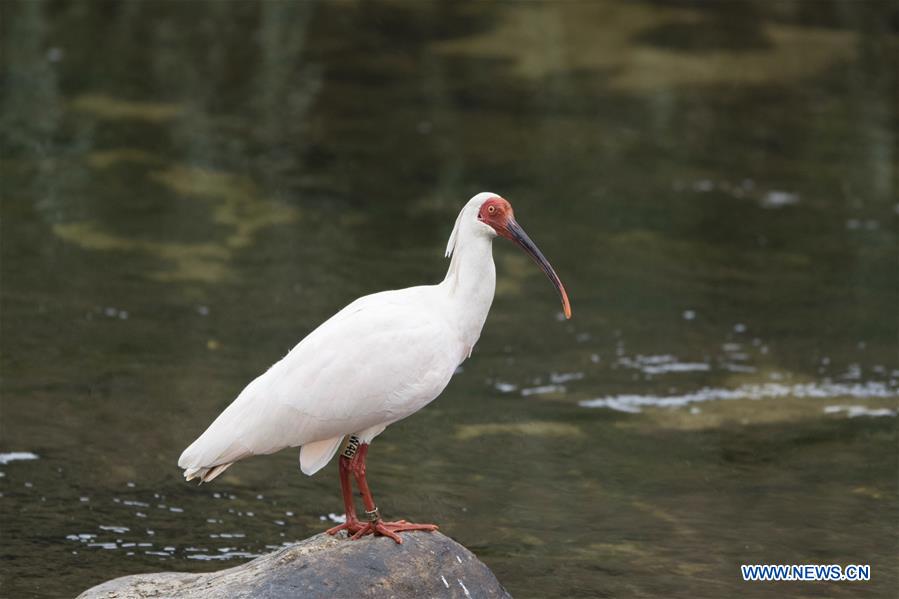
496 212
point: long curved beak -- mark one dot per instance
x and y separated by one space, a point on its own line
516 233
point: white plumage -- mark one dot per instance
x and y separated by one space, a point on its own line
378 360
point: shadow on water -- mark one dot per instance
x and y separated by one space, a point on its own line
190 188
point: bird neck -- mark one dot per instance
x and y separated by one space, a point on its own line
469 285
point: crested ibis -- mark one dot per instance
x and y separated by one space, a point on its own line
378 360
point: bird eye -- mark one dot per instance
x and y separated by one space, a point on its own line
491 209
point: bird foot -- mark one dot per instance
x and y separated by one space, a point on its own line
386 529
351 526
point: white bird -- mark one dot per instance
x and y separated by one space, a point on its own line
380 359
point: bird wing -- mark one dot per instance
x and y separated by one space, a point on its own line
316 455
376 361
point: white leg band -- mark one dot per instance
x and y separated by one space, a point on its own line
352 446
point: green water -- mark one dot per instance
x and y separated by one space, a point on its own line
190 188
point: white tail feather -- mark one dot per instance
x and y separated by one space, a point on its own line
206 474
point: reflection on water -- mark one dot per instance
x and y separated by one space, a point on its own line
6 458
715 183
633 403
234 204
109 108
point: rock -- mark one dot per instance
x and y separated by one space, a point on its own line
425 565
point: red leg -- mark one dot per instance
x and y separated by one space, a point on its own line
351 525
375 525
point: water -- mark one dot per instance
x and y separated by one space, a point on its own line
188 189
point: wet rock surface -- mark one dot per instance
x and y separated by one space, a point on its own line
425 565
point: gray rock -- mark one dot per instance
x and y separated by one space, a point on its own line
425 565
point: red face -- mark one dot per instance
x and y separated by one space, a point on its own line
497 213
